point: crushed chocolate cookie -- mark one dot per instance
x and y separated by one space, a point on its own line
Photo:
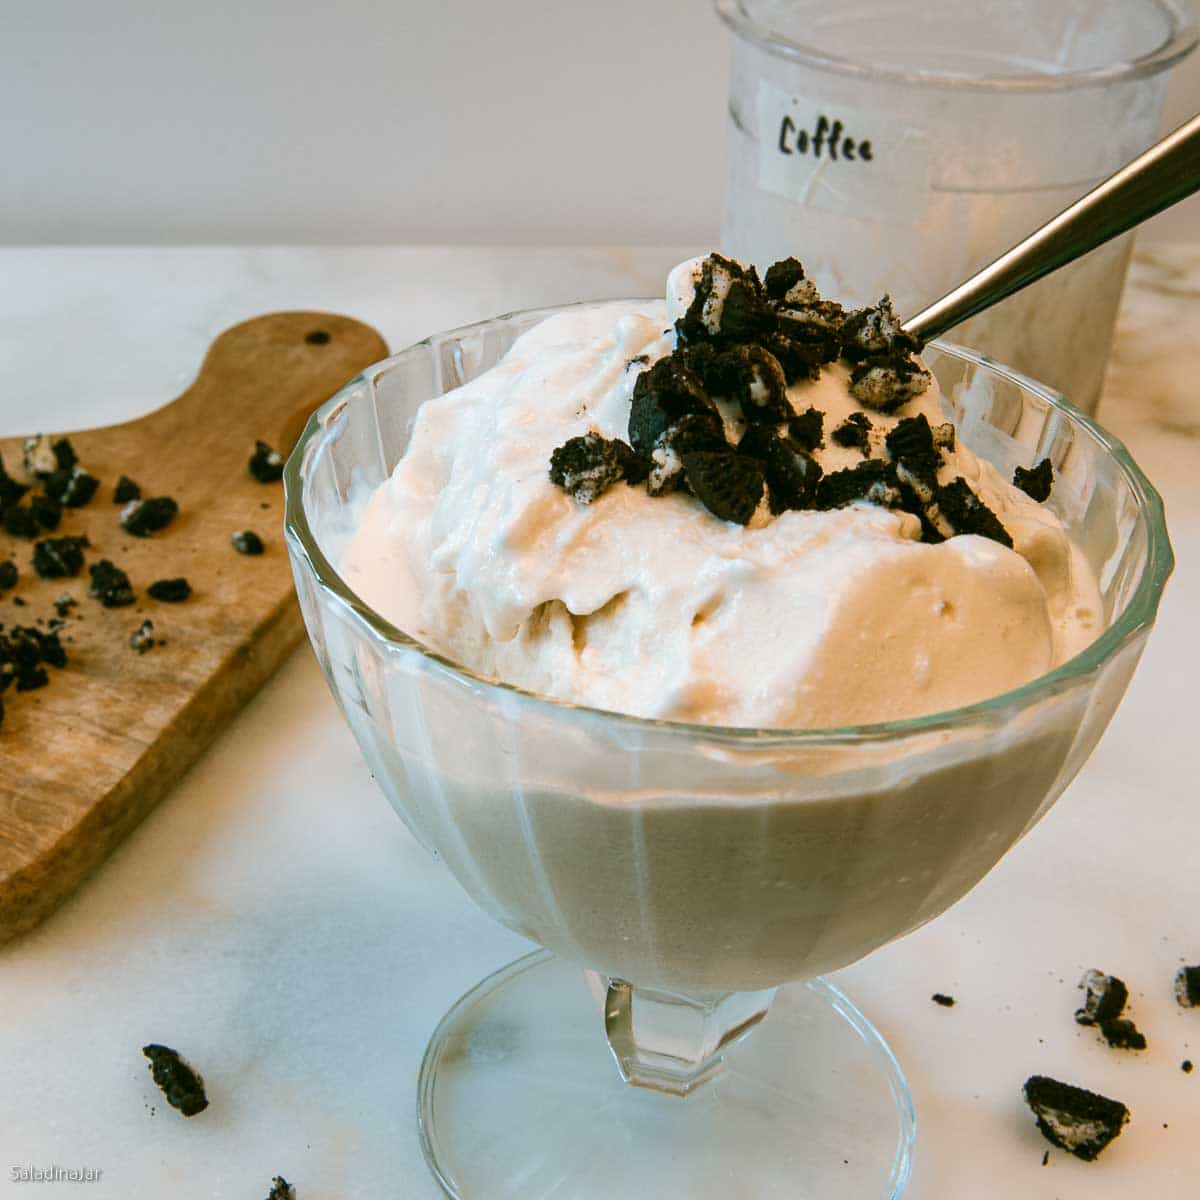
799 359
586 466
182 1086
142 638
693 431
1073 1118
144 517
266 465
729 303
126 490
8 575
911 444
791 472
23 650
1186 1066
19 522
246 541
786 283
754 378
64 603
869 332
854 433
1104 997
807 429
57 558
280 1188
885 382
170 591
47 511
728 484
72 486
1187 987
817 321
667 391
110 585
1035 482
968 514
942 999
873 480
1122 1034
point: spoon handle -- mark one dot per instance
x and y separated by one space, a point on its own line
1163 175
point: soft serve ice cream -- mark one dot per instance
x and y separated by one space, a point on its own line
741 507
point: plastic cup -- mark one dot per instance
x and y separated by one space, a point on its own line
897 148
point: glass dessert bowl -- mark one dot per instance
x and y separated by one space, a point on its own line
691 871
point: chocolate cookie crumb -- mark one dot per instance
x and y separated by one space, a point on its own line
126 490
110 585
1045 1158
144 517
19 522
729 303
807 429
1187 987
170 591
56 558
64 603
586 466
1104 998
1035 482
872 480
1186 1066
693 431
72 487
755 378
246 541
1122 1034
661 395
854 433
786 282
875 331
142 638
182 1086
8 575
886 382
942 999
792 474
46 510
280 1188
1073 1118
728 484
968 514
266 465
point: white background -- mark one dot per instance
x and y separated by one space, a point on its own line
275 121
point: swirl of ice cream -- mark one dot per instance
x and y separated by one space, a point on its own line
651 605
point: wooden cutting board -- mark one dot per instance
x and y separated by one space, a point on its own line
83 759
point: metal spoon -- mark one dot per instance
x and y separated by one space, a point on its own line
1162 176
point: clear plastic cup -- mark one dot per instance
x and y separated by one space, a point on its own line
897 147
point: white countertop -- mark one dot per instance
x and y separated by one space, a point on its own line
274 921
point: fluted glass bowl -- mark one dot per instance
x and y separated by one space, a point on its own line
701 864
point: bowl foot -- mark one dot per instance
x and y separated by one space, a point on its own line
519 1097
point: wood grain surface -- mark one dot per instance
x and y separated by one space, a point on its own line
83 759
